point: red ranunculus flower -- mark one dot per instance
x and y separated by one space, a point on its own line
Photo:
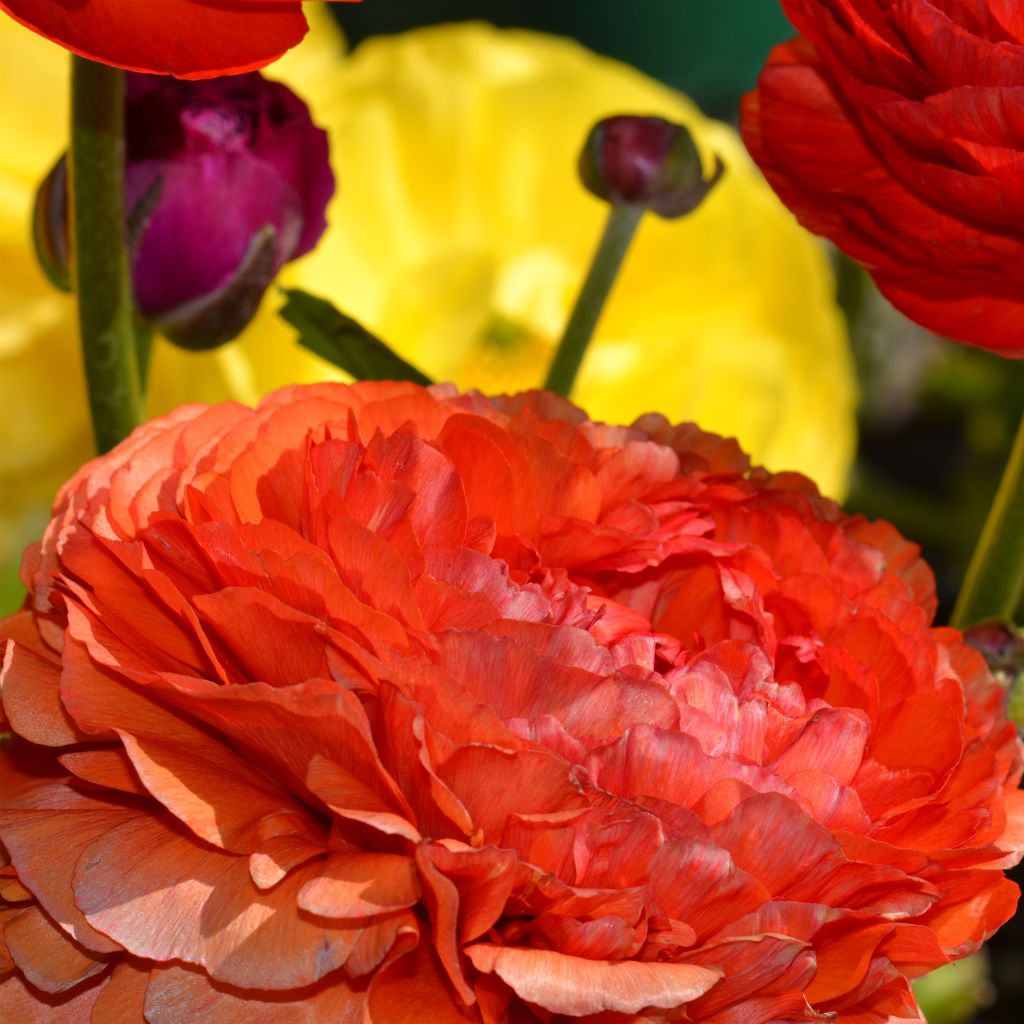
894 128
383 704
184 38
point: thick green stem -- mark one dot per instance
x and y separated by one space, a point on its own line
611 250
994 584
99 254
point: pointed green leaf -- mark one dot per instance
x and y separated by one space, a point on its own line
343 341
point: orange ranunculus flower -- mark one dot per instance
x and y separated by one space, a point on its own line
184 38
383 704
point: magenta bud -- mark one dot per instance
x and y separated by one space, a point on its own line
226 180
649 162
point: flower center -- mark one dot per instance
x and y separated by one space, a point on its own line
529 302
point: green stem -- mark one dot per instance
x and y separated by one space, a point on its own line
143 352
99 255
611 250
994 584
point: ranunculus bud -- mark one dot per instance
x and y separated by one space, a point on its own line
50 225
648 162
1002 646
226 180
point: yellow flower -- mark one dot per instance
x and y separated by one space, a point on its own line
460 234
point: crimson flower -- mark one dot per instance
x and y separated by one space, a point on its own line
893 128
384 704
184 38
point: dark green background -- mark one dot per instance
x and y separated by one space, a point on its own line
710 49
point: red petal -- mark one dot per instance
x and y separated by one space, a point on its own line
186 38
934 260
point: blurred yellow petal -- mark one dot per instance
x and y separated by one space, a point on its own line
460 234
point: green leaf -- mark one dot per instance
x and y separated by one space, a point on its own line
343 341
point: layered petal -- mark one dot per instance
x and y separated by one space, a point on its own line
920 180
322 712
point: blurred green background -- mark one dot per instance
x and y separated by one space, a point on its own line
710 49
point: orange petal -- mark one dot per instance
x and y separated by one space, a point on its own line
217 793
361 885
278 855
412 988
31 698
46 956
30 1006
494 783
45 829
776 968
165 896
349 797
123 997
574 986
925 732
111 769
484 876
180 995
441 898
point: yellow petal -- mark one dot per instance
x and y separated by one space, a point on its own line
460 234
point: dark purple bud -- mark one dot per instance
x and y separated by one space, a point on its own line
1002 646
1000 643
226 180
50 226
645 161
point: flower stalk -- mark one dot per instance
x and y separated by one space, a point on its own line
99 262
994 585
635 164
619 230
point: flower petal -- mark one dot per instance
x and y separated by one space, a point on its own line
574 986
186 38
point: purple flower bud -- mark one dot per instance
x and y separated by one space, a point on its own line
50 225
645 161
1002 646
226 180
